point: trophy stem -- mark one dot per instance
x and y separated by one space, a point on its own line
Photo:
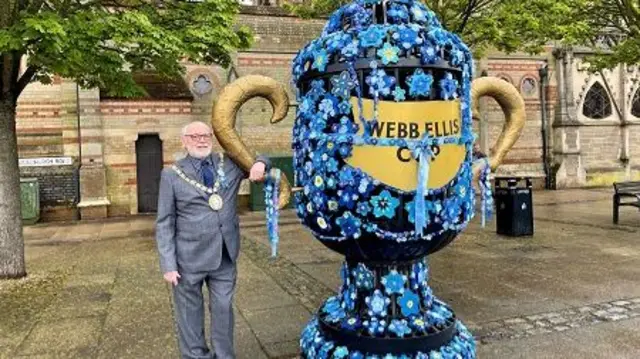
385 309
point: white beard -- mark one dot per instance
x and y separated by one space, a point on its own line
199 154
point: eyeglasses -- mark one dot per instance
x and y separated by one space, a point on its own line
199 137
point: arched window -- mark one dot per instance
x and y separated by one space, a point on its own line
597 104
529 86
635 104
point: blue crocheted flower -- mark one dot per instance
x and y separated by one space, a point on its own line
348 197
375 326
419 15
351 50
420 83
345 107
336 316
384 205
372 37
337 41
346 126
398 13
448 87
399 327
320 60
323 353
318 182
393 282
438 314
411 210
457 57
377 303
409 303
317 90
332 205
351 323
319 200
363 208
452 211
349 296
328 108
379 83
306 107
323 223
347 177
407 37
363 277
418 324
370 227
365 186
427 296
399 94
331 304
361 17
340 353
342 85
331 182
349 225
356 355
388 53
419 275
332 166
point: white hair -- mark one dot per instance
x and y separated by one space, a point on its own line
184 129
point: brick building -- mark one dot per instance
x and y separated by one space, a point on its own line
115 147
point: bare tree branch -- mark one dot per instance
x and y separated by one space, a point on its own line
25 79
468 10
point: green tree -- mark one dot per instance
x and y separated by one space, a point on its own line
529 25
97 43
616 33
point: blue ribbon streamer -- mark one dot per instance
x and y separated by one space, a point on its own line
421 151
271 188
486 194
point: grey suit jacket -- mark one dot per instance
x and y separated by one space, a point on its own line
189 234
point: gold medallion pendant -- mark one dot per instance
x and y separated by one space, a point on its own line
215 202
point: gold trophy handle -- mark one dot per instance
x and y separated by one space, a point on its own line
223 120
512 105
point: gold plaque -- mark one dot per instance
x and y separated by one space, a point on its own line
394 165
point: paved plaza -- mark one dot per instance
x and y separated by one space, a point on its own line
571 291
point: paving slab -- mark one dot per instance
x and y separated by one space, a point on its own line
73 334
277 325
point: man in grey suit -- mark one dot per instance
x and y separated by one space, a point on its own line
198 239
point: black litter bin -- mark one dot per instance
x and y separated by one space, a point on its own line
514 206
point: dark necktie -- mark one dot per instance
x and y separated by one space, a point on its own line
207 173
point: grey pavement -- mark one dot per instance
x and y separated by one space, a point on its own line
570 291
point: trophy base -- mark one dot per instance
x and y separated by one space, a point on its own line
323 346
386 309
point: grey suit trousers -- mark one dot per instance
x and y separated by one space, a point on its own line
189 311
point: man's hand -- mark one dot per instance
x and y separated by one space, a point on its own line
172 277
257 172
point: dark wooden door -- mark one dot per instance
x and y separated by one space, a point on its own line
149 166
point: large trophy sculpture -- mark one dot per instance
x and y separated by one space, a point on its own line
383 164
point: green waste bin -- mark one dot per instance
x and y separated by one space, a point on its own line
256 199
30 199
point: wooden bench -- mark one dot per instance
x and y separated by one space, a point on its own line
625 190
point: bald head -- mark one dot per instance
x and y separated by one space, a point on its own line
197 139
